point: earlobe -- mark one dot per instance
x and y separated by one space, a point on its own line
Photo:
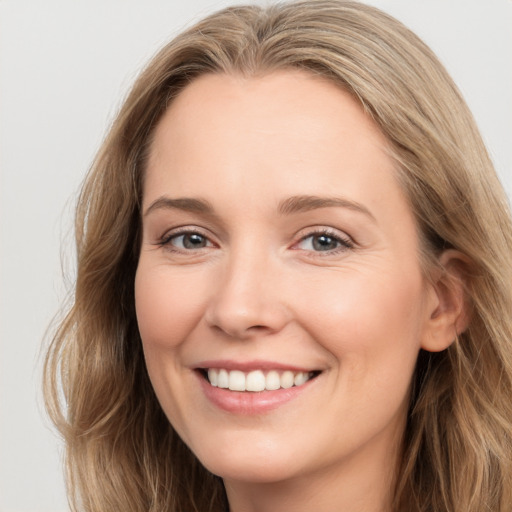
449 313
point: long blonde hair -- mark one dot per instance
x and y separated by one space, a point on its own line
122 453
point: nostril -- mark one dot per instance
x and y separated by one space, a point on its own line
242 333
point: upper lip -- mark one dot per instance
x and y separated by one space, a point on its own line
247 366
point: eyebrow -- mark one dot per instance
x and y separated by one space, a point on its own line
188 204
294 204
304 203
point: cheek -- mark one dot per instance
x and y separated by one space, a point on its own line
167 310
167 306
368 320
372 329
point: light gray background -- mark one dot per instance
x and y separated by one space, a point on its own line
64 68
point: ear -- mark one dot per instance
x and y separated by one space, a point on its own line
449 307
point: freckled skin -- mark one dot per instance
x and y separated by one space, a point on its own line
258 287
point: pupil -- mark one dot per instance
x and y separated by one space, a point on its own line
324 243
193 241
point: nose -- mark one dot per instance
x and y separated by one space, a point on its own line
249 298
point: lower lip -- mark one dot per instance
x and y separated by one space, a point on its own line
248 402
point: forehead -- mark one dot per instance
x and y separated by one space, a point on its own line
252 141
288 117
285 101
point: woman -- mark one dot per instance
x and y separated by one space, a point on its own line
293 286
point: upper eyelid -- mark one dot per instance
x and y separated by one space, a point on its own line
324 230
181 218
183 230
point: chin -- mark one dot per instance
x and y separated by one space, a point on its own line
261 472
257 463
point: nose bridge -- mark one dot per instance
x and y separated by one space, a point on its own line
247 298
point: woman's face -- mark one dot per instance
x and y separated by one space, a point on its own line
278 250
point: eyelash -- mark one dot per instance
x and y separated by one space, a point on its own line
344 243
166 240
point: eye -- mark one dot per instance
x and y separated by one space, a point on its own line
324 242
186 241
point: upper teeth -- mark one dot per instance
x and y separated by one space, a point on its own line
236 380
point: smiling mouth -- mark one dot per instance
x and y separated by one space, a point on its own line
256 380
